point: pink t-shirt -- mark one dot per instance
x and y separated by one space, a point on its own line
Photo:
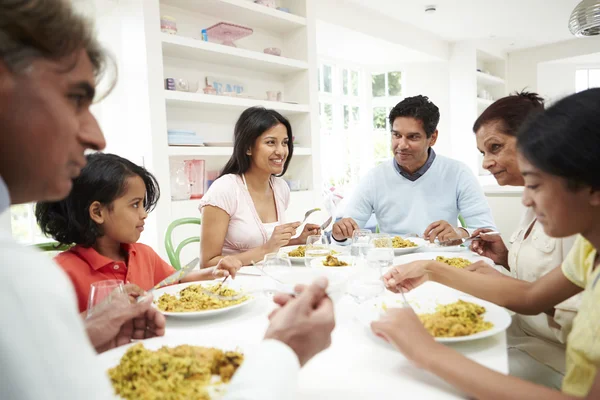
245 230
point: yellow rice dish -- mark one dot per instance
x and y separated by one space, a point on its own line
457 262
456 319
300 251
182 372
399 243
192 299
331 261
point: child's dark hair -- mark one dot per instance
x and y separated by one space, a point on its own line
420 108
103 179
565 140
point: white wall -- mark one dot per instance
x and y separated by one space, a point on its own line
523 64
555 80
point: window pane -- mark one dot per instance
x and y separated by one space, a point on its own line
581 80
346 117
327 117
345 81
378 85
594 78
395 83
319 79
379 117
355 116
327 78
354 81
382 147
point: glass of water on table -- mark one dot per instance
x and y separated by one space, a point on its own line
361 242
316 246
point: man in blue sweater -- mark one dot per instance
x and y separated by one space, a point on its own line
417 191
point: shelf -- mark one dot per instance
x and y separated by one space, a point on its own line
194 49
484 103
214 102
489 80
220 151
243 11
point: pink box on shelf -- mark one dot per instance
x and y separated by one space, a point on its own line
195 173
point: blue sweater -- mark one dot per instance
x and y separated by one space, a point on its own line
446 190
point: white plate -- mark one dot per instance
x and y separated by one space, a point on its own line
111 358
175 289
422 303
286 278
300 260
473 257
405 250
436 247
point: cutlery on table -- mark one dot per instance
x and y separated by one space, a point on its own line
459 241
173 278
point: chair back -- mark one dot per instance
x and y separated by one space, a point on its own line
175 252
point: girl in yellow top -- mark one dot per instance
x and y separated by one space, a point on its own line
560 162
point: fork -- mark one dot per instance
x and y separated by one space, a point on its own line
326 223
459 241
406 303
306 215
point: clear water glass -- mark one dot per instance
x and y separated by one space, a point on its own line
102 293
366 282
381 253
361 242
316 246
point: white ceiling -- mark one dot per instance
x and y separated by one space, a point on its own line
504 24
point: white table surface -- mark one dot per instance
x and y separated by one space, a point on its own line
358 365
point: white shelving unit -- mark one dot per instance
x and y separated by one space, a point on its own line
488 80
152 56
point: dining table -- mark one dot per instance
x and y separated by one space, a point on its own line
357 365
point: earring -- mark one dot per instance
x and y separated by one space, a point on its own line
249 153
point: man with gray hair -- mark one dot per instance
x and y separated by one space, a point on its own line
49 65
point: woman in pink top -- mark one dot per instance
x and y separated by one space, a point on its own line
243 211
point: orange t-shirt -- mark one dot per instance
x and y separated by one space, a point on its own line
85 266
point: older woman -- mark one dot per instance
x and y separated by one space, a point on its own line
243 212
536 342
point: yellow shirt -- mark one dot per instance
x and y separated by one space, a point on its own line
583 344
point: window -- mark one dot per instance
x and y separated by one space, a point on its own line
23 225
386 92
352 103
587 79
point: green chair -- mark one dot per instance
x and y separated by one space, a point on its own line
174 253
462 221
52 246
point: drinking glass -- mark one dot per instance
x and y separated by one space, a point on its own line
102 293
360 242
366 281
381 253
316 246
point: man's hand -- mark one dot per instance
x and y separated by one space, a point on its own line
443 231
305 322
118 322
343 229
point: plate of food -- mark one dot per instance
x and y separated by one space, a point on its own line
189 299
173 367
450 258
406 245
449 317
296 253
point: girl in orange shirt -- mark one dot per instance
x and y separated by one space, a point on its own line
104 217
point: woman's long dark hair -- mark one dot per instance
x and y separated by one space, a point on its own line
565 140
252 123
103 179
511 112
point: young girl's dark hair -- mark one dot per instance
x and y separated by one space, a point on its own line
103 179
253 122
565 140
511 112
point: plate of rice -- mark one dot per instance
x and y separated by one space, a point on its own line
174 367
448 315
296 253
406 245
188 300
461 260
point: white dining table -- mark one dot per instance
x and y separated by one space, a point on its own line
358 365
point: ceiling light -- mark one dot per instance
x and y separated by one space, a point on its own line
430 9
585 19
